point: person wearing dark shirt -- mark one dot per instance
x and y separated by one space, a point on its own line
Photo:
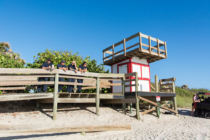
63 67
73 67
45 65
82 69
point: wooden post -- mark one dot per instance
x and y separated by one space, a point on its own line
137 100
165 49
103 56
156 90
140 41
158 47
55 104
124 47
131 110
123 93
97 95
174 101
150 50
156 83
113 52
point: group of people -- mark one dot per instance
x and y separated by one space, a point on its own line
72 66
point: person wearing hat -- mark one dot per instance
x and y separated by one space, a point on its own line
61 66
82 69
45 65
72 66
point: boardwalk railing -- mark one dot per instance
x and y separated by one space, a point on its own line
143 49
20 79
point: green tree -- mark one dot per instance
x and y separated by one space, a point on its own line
68 57
9 59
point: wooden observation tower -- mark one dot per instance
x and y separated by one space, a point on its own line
134 54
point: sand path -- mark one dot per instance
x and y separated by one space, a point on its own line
168 127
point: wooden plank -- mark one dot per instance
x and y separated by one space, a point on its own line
70 72
76 77
169 79
19 78
129 80
19 83
130 85
61 129
109 79
17 88
131 37
147 111
76 100
145 45
124 47
166 88
132 46
111 96
27 70
55 97
111 75
110 47
118 101
25 96
72 83
167 84
140 42
144 36
130 74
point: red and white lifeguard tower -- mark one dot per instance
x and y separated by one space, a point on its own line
135 58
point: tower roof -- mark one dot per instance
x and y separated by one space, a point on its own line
140 49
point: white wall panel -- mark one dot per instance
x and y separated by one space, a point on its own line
137 68
143 85
138 60
145 72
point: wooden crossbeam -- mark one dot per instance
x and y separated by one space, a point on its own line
61 129
147 111
151 102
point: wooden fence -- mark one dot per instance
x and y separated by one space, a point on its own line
152 53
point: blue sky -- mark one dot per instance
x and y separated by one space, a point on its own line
90 26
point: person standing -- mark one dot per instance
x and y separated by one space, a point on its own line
46 65
72 66
82 69
195 100
61 66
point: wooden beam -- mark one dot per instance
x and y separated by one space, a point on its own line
19 83
138 115
140 42
113 52
27 71
17 88
156 83
124 47
130 74
118 101
61 129
169 79
147 111
76 77
72 83
130 85
111 75
25 96
76 100
149 39
165 49
132 46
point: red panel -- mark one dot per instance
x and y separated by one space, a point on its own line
207 93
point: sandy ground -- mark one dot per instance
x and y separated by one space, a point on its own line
168 127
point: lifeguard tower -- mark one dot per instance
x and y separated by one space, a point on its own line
135 57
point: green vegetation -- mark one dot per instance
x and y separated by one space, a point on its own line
9 59
185 96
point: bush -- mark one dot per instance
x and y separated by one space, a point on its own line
68 57
9 59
